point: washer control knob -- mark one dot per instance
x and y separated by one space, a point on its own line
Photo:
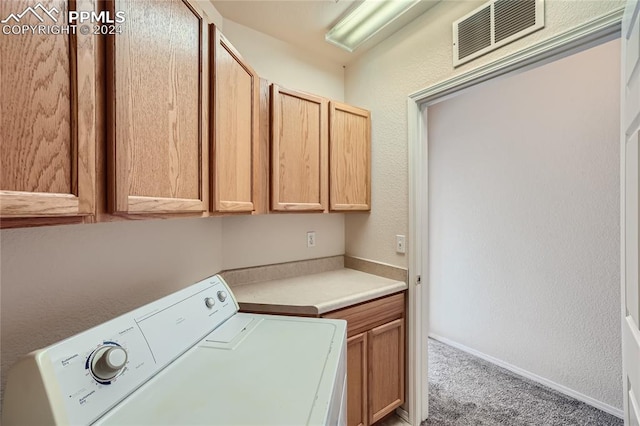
222 296
108 362
209 301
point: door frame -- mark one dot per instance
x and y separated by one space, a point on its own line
597 31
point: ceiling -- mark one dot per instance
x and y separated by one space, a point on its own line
304 23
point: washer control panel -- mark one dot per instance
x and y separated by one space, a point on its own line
94 370
106 362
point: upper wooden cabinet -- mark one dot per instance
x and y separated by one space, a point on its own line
157 113
350 157
235 104
299 149
163 118
48 122
320 154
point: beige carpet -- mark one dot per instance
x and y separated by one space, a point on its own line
466 390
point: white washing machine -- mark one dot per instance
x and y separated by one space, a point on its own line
187 359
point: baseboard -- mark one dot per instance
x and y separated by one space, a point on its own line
531 376
403 415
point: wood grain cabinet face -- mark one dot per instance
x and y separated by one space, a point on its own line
299 163
375 358
349 157
386 369
235 98
357 380
47 119
155 94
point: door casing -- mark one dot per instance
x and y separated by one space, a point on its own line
593 33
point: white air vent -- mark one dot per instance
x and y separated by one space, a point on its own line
494 24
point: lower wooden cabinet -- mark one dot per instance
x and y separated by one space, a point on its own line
385 362
375 358
357 380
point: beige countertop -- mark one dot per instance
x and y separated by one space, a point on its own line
314 294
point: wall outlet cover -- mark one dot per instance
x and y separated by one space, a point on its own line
311 239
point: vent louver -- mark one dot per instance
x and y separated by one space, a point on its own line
474 33
493 25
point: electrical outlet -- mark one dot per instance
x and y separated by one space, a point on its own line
311 239
401 246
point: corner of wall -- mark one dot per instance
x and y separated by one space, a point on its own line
286 64
212 13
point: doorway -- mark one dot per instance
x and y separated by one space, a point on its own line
524 267
563 46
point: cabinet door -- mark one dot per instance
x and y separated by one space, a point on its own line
235 98
299 166
386 369
357 380
156 108
48 122
349 157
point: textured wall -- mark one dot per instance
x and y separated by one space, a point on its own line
416 57
57 281
524 221
302 71
267 239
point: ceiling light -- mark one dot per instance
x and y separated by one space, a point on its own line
366 20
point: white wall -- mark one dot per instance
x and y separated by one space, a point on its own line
416 57
57 281
524 221
266 239
301 71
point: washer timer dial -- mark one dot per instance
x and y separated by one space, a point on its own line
107 362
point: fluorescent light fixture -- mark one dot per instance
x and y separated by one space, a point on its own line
366 20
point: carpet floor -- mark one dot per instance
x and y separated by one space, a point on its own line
466 390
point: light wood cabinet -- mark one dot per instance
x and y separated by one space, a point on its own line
320 154
375 358
235 98
386 369
357 410
157 115
47 123
164 119
261 163
350 158
299 151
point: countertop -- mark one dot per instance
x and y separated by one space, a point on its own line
314 294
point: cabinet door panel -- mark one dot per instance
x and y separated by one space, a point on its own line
386 369
357 380
349 157
47 117
298 151
236 109
156 106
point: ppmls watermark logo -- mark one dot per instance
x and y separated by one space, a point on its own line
40 20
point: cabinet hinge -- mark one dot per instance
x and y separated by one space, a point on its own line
418 280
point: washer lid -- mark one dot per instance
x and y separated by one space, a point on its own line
282 372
